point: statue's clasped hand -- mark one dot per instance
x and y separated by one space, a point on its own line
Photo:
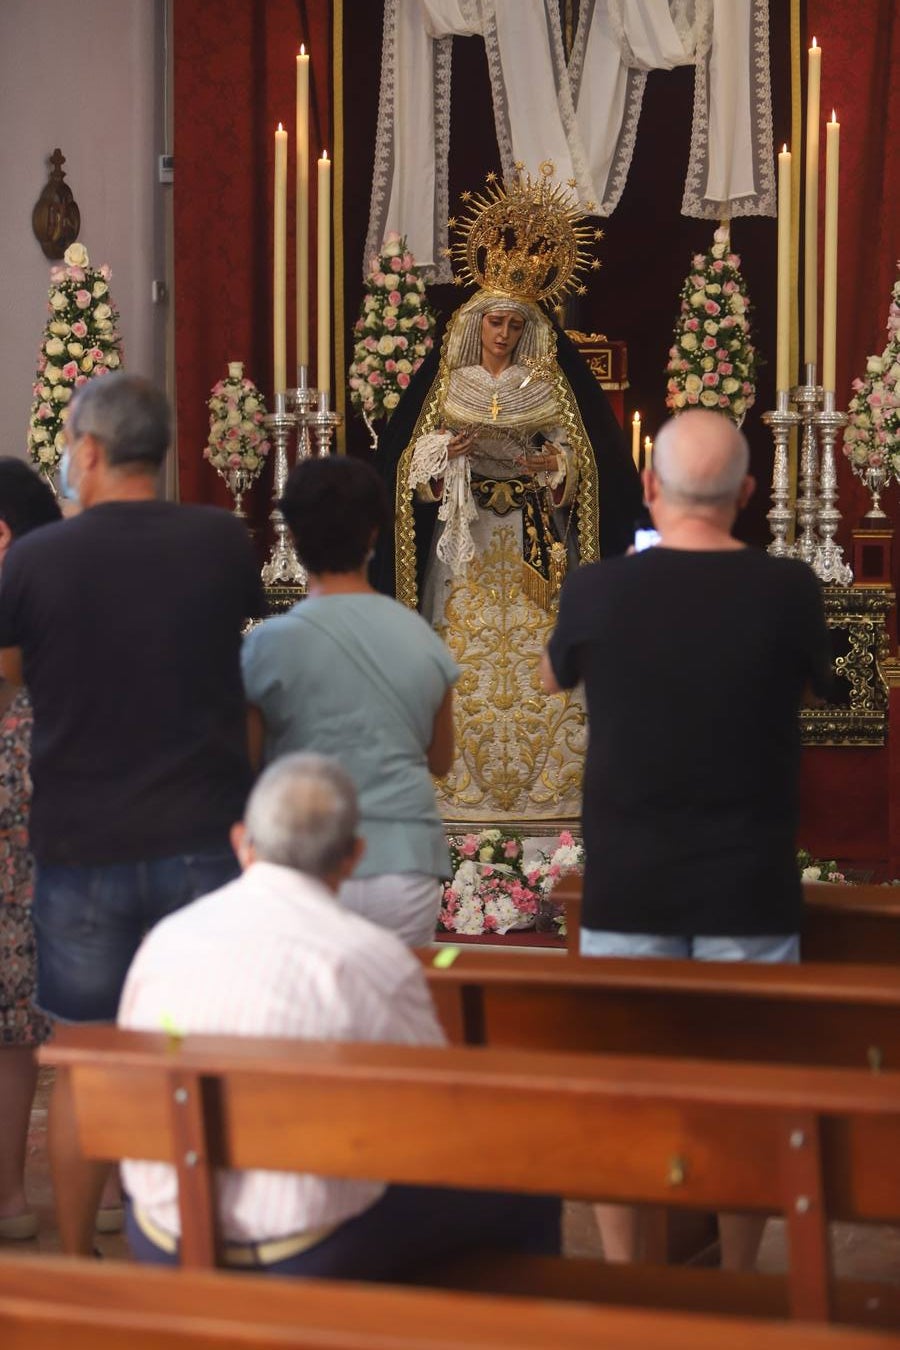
545 460
460 444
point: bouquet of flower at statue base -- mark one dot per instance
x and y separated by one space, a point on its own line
872 435
712 362
819 869
493 889
393 333
81 340
237 432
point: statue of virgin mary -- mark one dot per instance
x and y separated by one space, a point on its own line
507 467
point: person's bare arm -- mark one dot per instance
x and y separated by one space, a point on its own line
256 736
11 665
549 681
440 751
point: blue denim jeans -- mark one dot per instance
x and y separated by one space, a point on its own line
89 922
768 950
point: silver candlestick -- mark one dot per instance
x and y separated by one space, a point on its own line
302 401
283 569
781 517
807 396
322 424
829 562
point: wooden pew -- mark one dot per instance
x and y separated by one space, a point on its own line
860 924
812 1144
59 1304
808 1014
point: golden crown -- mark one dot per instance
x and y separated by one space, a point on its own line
521 238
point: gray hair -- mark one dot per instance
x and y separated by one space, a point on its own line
128 415
302 813
701 459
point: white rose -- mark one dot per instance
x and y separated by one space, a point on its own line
693 384
46 454
54 347
710 326
708 363
74 348
730 385
391 281
493 835
811 874
99 288
246 424
709 398
112 359
250 403
713 288
251 461
404 365
391 400
52 373
680 399
60 328
39 434
874 365
102 312
87 365
738 406
58 301
698 299
738 303
485 854
76 255
386 345
233 419
689 342
59 440
62 393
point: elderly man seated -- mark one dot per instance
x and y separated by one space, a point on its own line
273 954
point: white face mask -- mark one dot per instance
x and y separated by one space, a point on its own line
67 488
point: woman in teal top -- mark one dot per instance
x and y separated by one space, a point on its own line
353 674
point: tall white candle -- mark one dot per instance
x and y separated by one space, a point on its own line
648 453
636 440
783 332
279 278
323 275
829 306
811 208
302 231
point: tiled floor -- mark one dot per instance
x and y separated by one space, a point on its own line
860 1252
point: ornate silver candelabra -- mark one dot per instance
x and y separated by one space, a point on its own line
817 516
283 568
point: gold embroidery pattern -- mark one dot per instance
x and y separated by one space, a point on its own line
519 755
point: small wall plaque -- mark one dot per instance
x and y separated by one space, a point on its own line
56 219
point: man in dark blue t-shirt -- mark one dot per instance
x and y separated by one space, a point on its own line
695 656
125 624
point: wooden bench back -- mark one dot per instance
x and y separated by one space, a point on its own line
58 1304
809 1014
812 1144
859 924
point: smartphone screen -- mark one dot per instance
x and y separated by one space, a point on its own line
645 539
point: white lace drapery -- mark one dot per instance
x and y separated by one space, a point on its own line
457 510
582 116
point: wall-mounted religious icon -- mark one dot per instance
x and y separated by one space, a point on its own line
56 219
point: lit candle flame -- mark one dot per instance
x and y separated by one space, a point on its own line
833 115
814 43
302 49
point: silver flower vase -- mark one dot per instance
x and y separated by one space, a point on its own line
876 482
239 481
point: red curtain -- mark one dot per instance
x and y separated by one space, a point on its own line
860 59
234 78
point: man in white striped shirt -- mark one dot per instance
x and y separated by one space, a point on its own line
273 954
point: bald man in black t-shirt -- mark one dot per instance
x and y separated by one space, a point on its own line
695 656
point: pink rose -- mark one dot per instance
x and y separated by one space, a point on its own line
375 379
407 261
411 278
711 307
746 387
709 344
95 354
723 400
874 400
421 321
403 342
390 364
79 328
510 849
75 273
710 379
394 297
725 367
233 434
106 271
70 370
566 840
397 264
234 461
370 344
733 260
692 325
378 278
468 846
729 287
82 299
403 379
390 323
44 411
718 265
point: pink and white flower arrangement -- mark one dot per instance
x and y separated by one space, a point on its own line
393 334
81 341
872 435
494 888
712 361
237 431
